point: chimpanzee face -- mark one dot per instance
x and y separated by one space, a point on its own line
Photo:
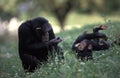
45 37
83 46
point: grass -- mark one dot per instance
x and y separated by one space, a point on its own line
105 64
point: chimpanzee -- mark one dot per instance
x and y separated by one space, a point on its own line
36 41
87 42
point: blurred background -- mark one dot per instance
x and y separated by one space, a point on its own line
62 14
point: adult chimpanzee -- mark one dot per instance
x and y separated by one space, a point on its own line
87 42
36 41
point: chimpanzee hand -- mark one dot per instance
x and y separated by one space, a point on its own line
103 27
56 40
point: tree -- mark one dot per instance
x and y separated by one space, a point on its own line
7 9
59 8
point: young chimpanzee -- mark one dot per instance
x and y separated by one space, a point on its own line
36 41
87 42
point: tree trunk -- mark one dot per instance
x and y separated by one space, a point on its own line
62 11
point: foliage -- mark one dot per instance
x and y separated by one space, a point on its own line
105 64
7 9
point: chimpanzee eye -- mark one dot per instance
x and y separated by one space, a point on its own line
38 28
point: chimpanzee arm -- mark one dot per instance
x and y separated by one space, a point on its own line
95 35
96 29
52 36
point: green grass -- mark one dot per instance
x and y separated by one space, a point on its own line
106 64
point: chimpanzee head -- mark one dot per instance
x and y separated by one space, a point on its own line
41 24
84 45
41 27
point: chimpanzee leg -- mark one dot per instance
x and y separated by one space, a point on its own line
29 62
96 30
